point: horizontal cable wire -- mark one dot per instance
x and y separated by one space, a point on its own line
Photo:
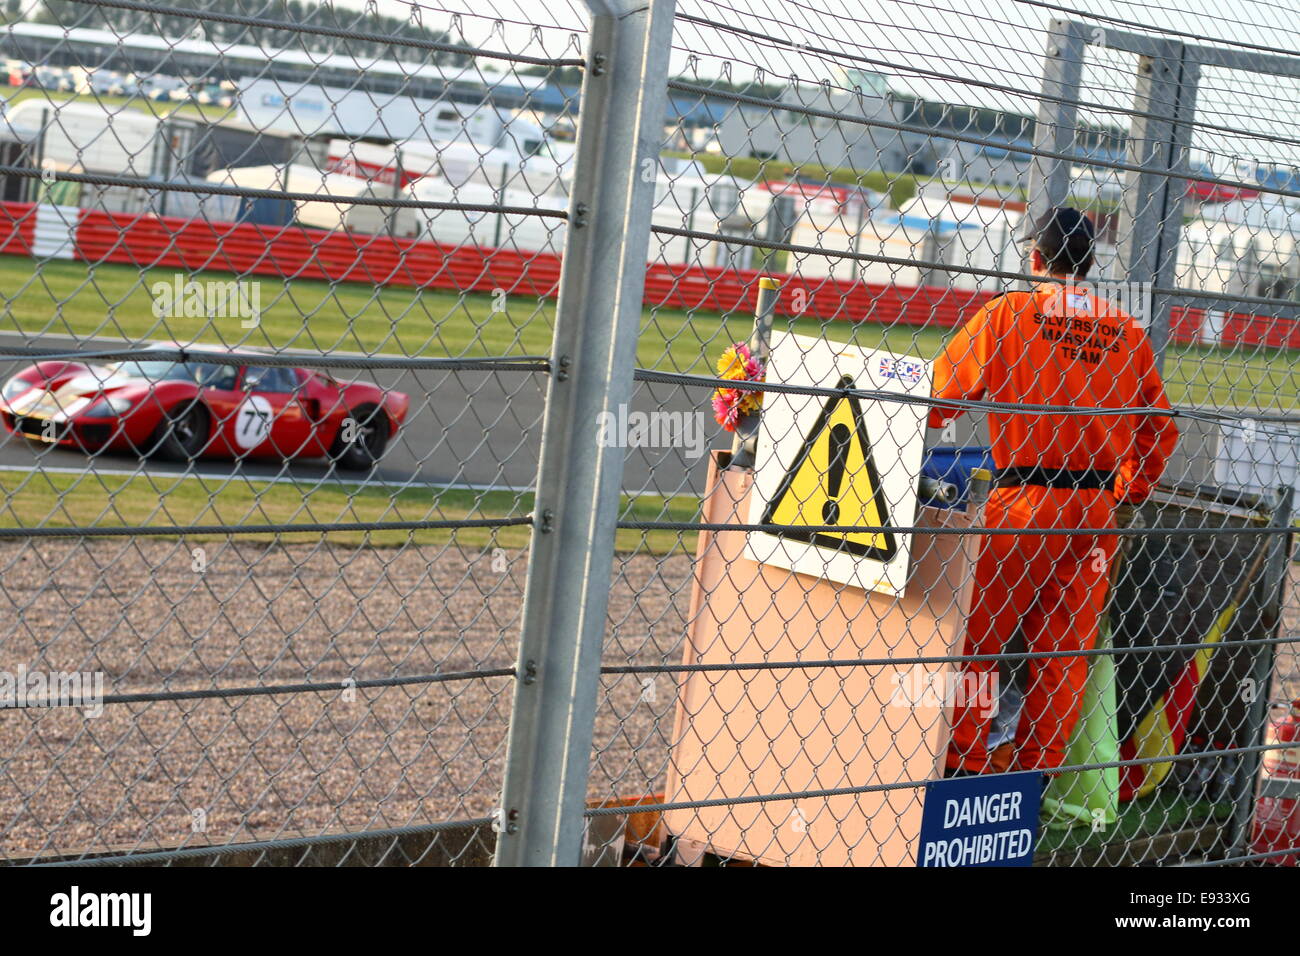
976 405
264 846
216 189
1245 858
787 530
1156 29
924 264
614 811
264 690
289 26
562 62
332 527
1038 95
621 669
705 381
501 363
741 666
487 208
537 363
972 138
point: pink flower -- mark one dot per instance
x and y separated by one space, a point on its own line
726 408
730 405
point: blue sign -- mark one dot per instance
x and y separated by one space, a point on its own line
987 820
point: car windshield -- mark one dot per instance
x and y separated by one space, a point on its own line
202 373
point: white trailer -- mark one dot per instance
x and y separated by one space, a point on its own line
934 226
963 231
717 205
522 233
309 109
86 137
1244 247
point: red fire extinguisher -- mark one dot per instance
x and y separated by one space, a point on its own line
1277 819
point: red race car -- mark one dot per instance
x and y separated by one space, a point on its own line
194 409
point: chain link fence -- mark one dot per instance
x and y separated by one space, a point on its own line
439 432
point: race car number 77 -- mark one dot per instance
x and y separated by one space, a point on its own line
253 422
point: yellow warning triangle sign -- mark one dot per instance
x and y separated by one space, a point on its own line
834 481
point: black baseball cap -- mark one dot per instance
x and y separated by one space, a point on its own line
1065 237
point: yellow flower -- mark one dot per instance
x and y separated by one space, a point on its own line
732 365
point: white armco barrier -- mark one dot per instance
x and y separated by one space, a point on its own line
56 227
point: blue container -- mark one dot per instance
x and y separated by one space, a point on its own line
263 211
954 465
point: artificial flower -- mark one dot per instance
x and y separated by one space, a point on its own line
730 405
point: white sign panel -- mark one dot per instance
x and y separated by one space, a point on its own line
826 462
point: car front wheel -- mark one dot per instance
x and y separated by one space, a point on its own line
183 433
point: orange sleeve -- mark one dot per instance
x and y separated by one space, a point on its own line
1154 435
963 368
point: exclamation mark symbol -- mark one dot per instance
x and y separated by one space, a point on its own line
840 436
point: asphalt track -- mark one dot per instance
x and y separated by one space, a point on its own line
479 429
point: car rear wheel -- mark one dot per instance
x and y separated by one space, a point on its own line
359 445
183 433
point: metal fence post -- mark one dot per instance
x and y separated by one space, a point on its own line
624 103
501 201
1151 216
745 444
1049 179
1272 596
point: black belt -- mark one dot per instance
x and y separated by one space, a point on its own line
1089 478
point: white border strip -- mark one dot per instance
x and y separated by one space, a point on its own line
273 480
